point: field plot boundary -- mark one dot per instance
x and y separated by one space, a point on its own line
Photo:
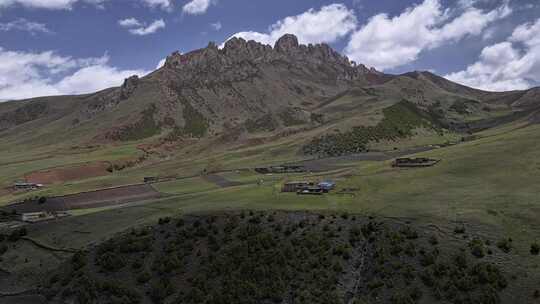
72 172
47 247
90 199
221 181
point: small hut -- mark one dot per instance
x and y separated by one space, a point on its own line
295 186
415 162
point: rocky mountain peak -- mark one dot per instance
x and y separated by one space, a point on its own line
286 48
286 43
239 60
235 43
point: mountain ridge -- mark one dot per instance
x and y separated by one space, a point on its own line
246 89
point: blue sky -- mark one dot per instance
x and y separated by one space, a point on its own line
50 47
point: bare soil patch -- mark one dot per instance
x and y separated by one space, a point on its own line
6 191
221 181
60 175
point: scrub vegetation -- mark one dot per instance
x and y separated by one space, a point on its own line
400 121
276 257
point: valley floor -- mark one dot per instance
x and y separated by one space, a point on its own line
488 186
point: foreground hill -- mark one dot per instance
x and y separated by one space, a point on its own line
247 90
277 257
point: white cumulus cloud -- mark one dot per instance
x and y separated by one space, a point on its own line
129 22
68 4
47 4
163 4
197 7
137 27
513 64
216 26
22 24
387 42
161 63
29 74
328 24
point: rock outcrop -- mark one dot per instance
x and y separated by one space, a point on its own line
129 86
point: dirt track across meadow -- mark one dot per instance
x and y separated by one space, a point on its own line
221 181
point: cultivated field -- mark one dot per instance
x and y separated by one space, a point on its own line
62 175
87 200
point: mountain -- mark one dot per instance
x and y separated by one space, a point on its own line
249 90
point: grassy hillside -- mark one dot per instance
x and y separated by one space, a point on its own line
399 122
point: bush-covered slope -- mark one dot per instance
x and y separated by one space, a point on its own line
399 122
277 257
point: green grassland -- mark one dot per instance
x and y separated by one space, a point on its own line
492 182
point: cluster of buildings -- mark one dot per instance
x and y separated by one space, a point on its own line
308 188
34 217
283 169
415 162
27 186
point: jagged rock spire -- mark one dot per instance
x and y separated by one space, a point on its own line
286 42
287 48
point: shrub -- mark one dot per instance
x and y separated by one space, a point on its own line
427 258
163 221
368 229
428 277
160 290
460 260
343 251
78 260
110 262
409 233
477 248
486 273
355 235
143 277
410 249
3 249
505 245
132 244
137 264
16 234
401 298
535 249
459 230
